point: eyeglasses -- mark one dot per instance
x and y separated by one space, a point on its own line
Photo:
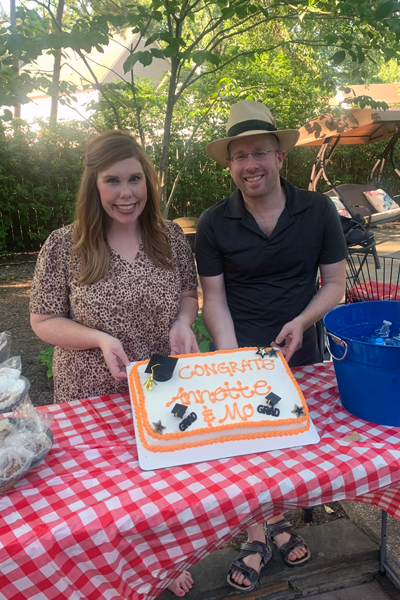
258 155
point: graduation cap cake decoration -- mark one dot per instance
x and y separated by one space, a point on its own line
179 410
161 367
272 399
271 409
150 382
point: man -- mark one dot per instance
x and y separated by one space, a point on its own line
258 254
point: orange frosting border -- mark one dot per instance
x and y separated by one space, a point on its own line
138 399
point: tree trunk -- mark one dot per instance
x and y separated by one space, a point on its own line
56 71
13 21
137 111
164 159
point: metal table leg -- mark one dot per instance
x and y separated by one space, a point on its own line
383 567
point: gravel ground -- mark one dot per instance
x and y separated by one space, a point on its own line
15 284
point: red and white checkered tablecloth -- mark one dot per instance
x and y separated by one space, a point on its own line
88 523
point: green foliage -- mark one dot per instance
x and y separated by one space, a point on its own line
45 357
389 72
204 40
293 84
39 177
290 56
202 336
298 591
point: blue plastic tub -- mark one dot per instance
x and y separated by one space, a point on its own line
368 375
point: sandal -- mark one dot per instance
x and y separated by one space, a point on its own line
294 542
249 548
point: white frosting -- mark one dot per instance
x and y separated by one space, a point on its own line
223 396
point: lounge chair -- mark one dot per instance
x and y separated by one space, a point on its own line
351 195
354 126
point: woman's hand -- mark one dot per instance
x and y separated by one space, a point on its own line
61 331
181 338
114 355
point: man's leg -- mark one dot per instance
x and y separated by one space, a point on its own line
283 538
254 534
257 534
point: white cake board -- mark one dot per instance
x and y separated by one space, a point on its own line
149 461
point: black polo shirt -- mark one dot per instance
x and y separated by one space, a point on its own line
268 280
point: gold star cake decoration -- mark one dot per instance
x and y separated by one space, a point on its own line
298 411
262 352
158 427
272 352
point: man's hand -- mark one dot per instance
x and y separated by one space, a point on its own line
292 335
181 338
115 357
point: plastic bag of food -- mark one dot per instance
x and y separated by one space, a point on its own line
36 421
6 429
12 385
14 462
11 391
23 442
11 367
37 443
5 345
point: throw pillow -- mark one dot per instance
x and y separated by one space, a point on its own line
340 207
380 200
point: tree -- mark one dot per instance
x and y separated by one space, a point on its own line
13 21
203 38
389 72
56 68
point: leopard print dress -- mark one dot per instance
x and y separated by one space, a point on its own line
136 303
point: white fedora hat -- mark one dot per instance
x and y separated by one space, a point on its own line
248 118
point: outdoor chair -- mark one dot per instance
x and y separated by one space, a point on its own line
364 282
353 196
354 126
189 226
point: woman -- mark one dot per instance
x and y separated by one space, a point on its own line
119 284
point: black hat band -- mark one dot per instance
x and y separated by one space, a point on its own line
249 125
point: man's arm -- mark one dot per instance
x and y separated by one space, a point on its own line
333 285
216 315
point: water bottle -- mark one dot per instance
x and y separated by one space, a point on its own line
383 331
396 339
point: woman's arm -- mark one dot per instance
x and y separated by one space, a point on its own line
181 338
61 331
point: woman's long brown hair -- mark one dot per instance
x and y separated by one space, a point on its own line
90 244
